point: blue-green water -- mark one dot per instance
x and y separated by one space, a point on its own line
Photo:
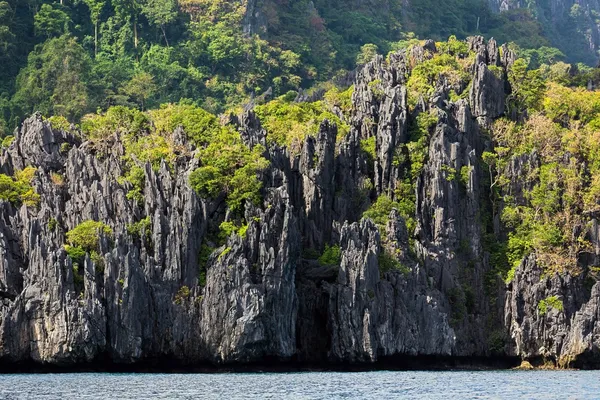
314 385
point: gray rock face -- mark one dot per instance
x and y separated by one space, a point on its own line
250 304
317 167
559 331
263 296
374 316
487 93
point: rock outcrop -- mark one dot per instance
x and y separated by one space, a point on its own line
418 285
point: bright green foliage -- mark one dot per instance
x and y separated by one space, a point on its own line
422 80
367 53
289 123
200 126
510 275
7 141
380 211
224 252
161 13
228 228
87 235
527 87
368 146
459 48
59 122
140 88
550 302
376 88
418 147
49 21
18 189
145 53
182 295
152 148
497 71
570 105
141 229
465 174
119 118
547 220
76 253
332 255
335 97
449 172
406 199
142 143
137 177
229 168
84 239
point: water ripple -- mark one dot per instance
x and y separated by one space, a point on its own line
448 385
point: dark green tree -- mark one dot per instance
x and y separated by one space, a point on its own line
161 13
55 79
50 22
140 88
95 7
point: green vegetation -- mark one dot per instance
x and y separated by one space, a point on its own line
227 228
380 211
18 189
141 229
388 262
52 223
562 130
7 141
86 235
550 302
84 239
199 125
229 168
116 119
452 62
332 256
418 146
339 98
527 87
59 122
449 172
225 251
205 253
465 173
71 58
143 70
368 146
182 295
289 123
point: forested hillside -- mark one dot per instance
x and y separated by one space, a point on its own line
70 57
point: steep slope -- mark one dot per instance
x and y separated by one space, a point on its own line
406 284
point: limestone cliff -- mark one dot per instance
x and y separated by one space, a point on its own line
264 299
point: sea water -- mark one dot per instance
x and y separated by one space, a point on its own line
447 385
